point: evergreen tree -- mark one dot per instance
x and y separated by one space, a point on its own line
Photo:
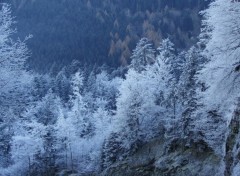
79 114
112 150
45 112
14 82
143 55
62 85
219 77
169 69
187 91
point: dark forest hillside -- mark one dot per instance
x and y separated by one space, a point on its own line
74 30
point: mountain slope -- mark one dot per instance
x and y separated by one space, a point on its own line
68 30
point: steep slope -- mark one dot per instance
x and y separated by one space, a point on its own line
175 159
210 145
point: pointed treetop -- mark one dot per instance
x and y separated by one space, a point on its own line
143 55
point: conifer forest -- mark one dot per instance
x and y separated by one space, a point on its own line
119 88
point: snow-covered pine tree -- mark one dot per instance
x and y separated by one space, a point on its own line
14 81
138 106
169 69
40 86
78 113
62 85
187 88
220 76
46 113
112 150
143 55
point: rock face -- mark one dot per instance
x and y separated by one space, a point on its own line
181 157
176 159
232 157
102 31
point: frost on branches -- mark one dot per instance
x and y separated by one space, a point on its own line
219 77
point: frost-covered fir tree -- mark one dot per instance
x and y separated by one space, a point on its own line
14 82
169 69
143 55
40 86
141 101
187 88
112 150
82 129
220 76
62 85
27 146
44 112
79 113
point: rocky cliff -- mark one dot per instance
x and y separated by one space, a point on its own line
181 157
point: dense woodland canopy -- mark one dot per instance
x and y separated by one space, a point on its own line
73 30
172 110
